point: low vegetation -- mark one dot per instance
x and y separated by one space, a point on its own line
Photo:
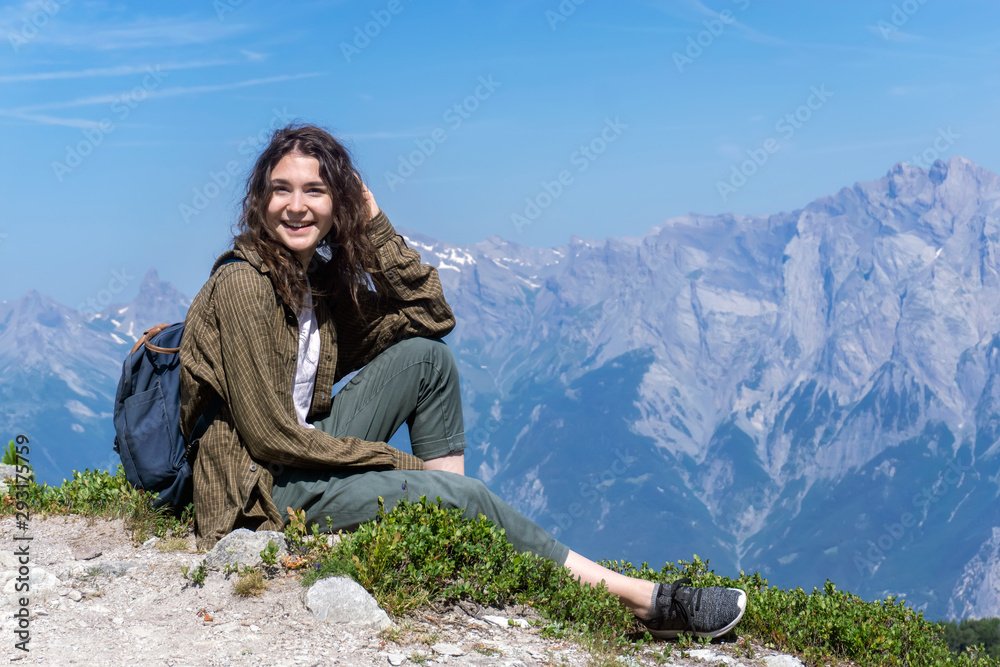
420 555
984 634
99 494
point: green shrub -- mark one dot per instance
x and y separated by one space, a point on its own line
975 634
421 553
826 624
100 494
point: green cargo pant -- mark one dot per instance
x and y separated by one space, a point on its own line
415 381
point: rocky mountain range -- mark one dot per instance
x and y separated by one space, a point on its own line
812 394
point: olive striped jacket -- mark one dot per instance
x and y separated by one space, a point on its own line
240 343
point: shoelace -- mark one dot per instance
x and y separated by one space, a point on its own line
680 601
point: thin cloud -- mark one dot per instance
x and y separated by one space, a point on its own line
166 92
657 30
121 70
161 32
748 32
79 123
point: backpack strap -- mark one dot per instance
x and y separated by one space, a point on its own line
149 334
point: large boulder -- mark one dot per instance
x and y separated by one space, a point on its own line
243 547
343 601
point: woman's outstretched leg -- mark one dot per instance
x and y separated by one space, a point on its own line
635 594
667 609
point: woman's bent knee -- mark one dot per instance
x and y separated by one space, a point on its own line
430 349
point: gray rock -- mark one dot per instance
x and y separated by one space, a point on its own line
713 657
42 584
7 470
343 601
504 622
447 649
243 547
782 661
85 551
396 659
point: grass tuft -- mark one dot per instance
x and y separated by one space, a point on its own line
250 582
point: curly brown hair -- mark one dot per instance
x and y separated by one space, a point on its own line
346 249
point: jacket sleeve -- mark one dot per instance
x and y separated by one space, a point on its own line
248 318
407 302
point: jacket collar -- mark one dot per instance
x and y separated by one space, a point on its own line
248 254
245 253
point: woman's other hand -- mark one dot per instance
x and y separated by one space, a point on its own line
370 198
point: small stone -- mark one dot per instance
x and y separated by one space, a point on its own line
75 595
84 552
504 622
712 657
396 659
150 542
782 661
447 649
117 620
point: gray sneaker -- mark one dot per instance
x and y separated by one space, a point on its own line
704 612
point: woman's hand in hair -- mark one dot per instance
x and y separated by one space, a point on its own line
372 206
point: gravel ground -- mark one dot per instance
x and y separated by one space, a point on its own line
96 599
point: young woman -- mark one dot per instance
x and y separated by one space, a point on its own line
319 284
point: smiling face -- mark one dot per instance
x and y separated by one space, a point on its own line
300 211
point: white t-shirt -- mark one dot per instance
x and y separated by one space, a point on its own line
307 363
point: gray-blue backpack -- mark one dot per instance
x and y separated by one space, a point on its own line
148 438
147 418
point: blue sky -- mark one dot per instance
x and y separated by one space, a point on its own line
127 127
